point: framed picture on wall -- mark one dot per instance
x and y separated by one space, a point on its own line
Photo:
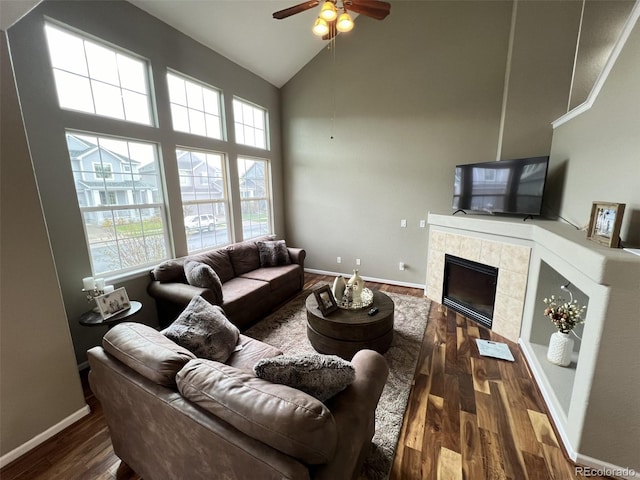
604 223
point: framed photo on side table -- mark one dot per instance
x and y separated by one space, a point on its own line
113 303
604 223
326 302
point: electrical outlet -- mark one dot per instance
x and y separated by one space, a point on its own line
401 265
423 223
339 260
403 223
357 261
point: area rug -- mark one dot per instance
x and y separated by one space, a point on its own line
286 329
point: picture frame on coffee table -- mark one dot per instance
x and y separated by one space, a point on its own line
605 222
326 301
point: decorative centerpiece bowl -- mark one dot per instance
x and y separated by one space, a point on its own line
366 300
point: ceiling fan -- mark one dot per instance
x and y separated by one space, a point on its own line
329 21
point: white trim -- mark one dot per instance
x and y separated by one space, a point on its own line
575 56
595 91
604 468
369 279
507 78
44 436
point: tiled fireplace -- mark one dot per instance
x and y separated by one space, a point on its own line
512 262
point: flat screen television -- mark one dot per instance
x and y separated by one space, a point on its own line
508 186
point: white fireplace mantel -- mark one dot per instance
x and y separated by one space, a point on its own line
595 402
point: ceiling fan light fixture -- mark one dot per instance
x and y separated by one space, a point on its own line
328 11
344 23
321 27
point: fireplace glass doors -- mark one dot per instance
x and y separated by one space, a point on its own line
470 288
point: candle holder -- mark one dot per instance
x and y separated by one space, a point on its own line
92 294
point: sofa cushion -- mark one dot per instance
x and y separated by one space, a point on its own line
277 277
146 351
202 275
170 271
244 257
205 330
248 351
273 253
219 260
287 419
322 376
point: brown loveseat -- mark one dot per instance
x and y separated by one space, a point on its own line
249 290
242 427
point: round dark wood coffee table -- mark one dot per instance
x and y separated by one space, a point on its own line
344 332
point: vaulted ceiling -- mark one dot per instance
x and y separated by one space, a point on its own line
244 31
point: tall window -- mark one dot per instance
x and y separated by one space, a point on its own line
98 79
250 124
204 198
255 197
123 212
195 108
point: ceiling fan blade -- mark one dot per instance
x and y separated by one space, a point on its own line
301 7
371 8
333 31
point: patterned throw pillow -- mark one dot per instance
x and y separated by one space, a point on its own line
321 376
204 329
273 253
202 275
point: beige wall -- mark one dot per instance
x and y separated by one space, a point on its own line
40 385
598 152
415 95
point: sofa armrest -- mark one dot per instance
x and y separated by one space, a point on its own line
297 255
180 293
353 410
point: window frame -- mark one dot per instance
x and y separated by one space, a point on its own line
268 198
267 139
205 86
85 37
112 209
197 180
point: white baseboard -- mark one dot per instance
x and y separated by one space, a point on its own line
44 436
368 279
592 466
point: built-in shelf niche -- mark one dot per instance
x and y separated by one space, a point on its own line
560 378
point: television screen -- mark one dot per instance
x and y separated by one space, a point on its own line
507 186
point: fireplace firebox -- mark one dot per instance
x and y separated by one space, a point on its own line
470 288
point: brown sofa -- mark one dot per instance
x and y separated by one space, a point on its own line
243 427
249 291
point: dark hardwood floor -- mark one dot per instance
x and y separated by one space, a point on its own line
468 417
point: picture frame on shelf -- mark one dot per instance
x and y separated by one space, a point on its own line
605 222
325 299
112 303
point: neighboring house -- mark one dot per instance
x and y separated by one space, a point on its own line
252 183
105 178
199 180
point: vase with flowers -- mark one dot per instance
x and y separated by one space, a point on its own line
565 315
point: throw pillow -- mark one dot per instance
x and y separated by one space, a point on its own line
204 329
321 376
202 275
273 253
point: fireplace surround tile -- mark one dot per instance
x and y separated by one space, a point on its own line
512 262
